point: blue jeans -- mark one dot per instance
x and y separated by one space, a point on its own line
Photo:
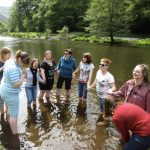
31 93
137 142
82 89
102 104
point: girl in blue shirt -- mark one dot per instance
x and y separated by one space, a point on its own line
66 66
13 76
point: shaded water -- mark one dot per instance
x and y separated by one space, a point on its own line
66 128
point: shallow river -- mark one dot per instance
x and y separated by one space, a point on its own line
66 128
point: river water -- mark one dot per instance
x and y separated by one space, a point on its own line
65 128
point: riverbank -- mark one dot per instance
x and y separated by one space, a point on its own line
79 36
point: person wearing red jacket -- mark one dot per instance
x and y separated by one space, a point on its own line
130 117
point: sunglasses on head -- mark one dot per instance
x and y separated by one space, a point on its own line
103 65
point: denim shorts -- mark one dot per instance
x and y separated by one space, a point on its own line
67 82
31 93
138 142
12 102
82 89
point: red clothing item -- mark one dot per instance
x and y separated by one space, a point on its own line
131 117
138 95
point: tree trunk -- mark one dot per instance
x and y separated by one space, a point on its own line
111 37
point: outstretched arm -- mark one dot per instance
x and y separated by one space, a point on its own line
90 77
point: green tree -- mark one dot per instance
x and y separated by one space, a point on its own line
2 27
15 22
107 16
140 20
41 15
21 16
68 13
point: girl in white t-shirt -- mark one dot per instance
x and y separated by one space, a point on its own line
86 70
104 83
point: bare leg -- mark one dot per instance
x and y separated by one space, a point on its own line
47 94
41 95
100 117
80 102
58 97
67 94
13 124
2 112
84 103
58 93
67 101
34 105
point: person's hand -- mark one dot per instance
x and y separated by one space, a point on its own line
73 75
89 88
110 92
55 69
58 72
44 82
121 139
1 69
110 98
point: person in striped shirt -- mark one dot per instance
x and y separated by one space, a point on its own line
13 75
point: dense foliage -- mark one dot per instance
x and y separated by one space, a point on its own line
141 17
100 17
40 15
108 16
2 27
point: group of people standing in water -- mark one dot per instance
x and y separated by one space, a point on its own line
13 72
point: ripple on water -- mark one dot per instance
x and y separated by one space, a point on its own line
62 128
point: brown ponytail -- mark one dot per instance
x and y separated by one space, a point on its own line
18 53
25 59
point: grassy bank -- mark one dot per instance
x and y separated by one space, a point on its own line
79 36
